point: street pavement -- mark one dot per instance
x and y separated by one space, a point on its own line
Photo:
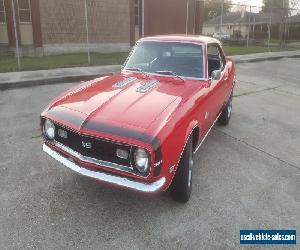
246 176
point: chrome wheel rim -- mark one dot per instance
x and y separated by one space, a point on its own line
229 109
191 163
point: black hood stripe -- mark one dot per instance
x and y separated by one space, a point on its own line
105 128
123 132
66 116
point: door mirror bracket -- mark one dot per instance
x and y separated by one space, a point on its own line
216 75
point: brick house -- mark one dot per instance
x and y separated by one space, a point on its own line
44 27
257 24
243 22
55 26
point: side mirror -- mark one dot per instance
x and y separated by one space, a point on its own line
216 75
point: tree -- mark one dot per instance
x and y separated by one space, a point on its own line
213 8
275 5
294 3
282 8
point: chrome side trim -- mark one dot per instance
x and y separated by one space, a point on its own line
207 134
107 178
93 160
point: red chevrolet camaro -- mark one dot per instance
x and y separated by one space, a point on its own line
140 128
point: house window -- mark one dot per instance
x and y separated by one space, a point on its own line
24 11
136 12
2 12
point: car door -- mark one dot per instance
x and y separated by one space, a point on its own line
226 86
216 61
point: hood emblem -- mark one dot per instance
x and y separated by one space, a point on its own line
124 82
147 86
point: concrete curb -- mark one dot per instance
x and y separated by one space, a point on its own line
56 80
111 69
272 58
43 77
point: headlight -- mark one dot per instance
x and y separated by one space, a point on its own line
141 159
49 129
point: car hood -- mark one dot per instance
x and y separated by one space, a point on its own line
119 100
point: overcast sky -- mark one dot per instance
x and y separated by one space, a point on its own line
255 2
249 2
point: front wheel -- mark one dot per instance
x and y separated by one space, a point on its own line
226 113
182 183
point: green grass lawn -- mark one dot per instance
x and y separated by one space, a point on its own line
230 50
9 63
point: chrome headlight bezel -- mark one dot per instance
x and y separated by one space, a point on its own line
49 129
141 159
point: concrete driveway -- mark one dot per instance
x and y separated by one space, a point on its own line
247 176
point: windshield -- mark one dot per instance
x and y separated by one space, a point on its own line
173 58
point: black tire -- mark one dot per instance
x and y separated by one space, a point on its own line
182 183
226 113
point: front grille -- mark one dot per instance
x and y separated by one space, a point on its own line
96 148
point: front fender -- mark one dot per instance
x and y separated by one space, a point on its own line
173 148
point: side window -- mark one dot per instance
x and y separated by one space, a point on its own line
212 50
222 57
215 57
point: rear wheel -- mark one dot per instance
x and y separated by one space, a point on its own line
182 183
226 113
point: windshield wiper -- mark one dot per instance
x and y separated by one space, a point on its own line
137 70
169 72
134 69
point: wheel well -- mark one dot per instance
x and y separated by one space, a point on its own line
195 137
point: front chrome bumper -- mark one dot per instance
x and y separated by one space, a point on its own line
107 178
